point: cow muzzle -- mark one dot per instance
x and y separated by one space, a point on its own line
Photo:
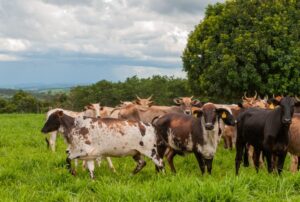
287 121
188 112
209 126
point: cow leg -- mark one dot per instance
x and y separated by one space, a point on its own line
161 151
239 154
269 161
200 161
98 161
208 163
69 166
294 163
110 164
230 143
140 163
298 163
256 158
52 140
225 142
246 156
91 168
170 157
280 162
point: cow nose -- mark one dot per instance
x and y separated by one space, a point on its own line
98 117
188 112
287 120
209 126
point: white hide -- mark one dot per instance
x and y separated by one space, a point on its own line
211 139
117 140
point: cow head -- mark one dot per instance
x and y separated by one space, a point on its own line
186 104
211 114
92 110
53 122
287 109
249 100
144 102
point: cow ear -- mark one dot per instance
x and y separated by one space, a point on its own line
197 113
226 116
60 113
197 103
240 105
177 101
151 103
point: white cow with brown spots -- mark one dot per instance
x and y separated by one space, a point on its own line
91 110
90 138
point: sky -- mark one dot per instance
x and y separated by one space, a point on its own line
84 41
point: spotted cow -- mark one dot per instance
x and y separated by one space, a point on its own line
90 138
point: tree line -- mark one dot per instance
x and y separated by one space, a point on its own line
108 93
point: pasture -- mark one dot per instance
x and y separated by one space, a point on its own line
31 172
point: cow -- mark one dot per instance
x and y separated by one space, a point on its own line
135 112
294 142
186 104
144 102
90 138
294 133
92 110
185 133
267 131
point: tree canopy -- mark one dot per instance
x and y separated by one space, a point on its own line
245 46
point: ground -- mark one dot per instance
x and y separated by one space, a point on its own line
30 172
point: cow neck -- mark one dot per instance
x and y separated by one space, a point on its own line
67 122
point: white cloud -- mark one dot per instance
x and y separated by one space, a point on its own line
8 58
10 44
146 71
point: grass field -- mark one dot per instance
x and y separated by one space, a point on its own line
30 172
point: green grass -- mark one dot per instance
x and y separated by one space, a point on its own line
30 172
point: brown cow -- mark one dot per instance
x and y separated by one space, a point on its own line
200 135
186 104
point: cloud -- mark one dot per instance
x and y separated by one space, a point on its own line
8 58
148 31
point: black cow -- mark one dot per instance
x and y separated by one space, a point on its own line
267 131
200 135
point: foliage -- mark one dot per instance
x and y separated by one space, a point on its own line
245 46
163 89
31 172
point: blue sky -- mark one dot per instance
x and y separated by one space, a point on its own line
84 41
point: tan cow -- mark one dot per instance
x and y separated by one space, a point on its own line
187 103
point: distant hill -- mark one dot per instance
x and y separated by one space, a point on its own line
40 93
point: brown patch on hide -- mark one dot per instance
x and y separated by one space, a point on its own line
88 142
83 131
142 129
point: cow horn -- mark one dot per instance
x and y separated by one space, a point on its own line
138 97
298 99
149 98
273 95
191 97
255 96
245 96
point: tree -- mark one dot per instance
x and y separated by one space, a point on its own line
245 46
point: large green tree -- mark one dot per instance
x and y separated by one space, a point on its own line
245 46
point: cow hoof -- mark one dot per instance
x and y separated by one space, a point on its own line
73 172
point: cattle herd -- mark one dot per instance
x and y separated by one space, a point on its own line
260 129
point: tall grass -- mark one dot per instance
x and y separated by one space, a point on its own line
30 172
